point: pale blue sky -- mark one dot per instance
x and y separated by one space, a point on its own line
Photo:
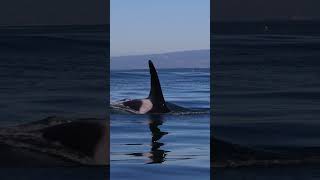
157 26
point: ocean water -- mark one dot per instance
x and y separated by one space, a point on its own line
55 173
170 146
53 71
50 71
266 91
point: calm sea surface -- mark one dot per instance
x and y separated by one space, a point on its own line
53 71
164 146
266 87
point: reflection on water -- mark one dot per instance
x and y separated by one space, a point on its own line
164 147
156 154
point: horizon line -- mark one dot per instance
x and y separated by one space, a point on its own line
168 68
168 52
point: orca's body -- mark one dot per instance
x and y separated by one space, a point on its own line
153 104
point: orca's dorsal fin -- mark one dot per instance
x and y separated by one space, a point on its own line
155 94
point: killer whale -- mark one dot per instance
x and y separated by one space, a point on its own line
153 104
55 141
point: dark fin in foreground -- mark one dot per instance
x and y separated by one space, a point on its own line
155 95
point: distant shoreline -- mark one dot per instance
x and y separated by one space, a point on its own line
161 53
204 68
191 59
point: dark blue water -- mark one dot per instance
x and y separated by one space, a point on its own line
171 146
53 71
55 173
266 91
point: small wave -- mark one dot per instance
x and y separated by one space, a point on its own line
265 163
233 155
192 111
57 137
278 94
119 109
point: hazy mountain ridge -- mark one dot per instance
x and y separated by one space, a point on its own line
180 59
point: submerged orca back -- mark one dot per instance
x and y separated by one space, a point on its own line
155 95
